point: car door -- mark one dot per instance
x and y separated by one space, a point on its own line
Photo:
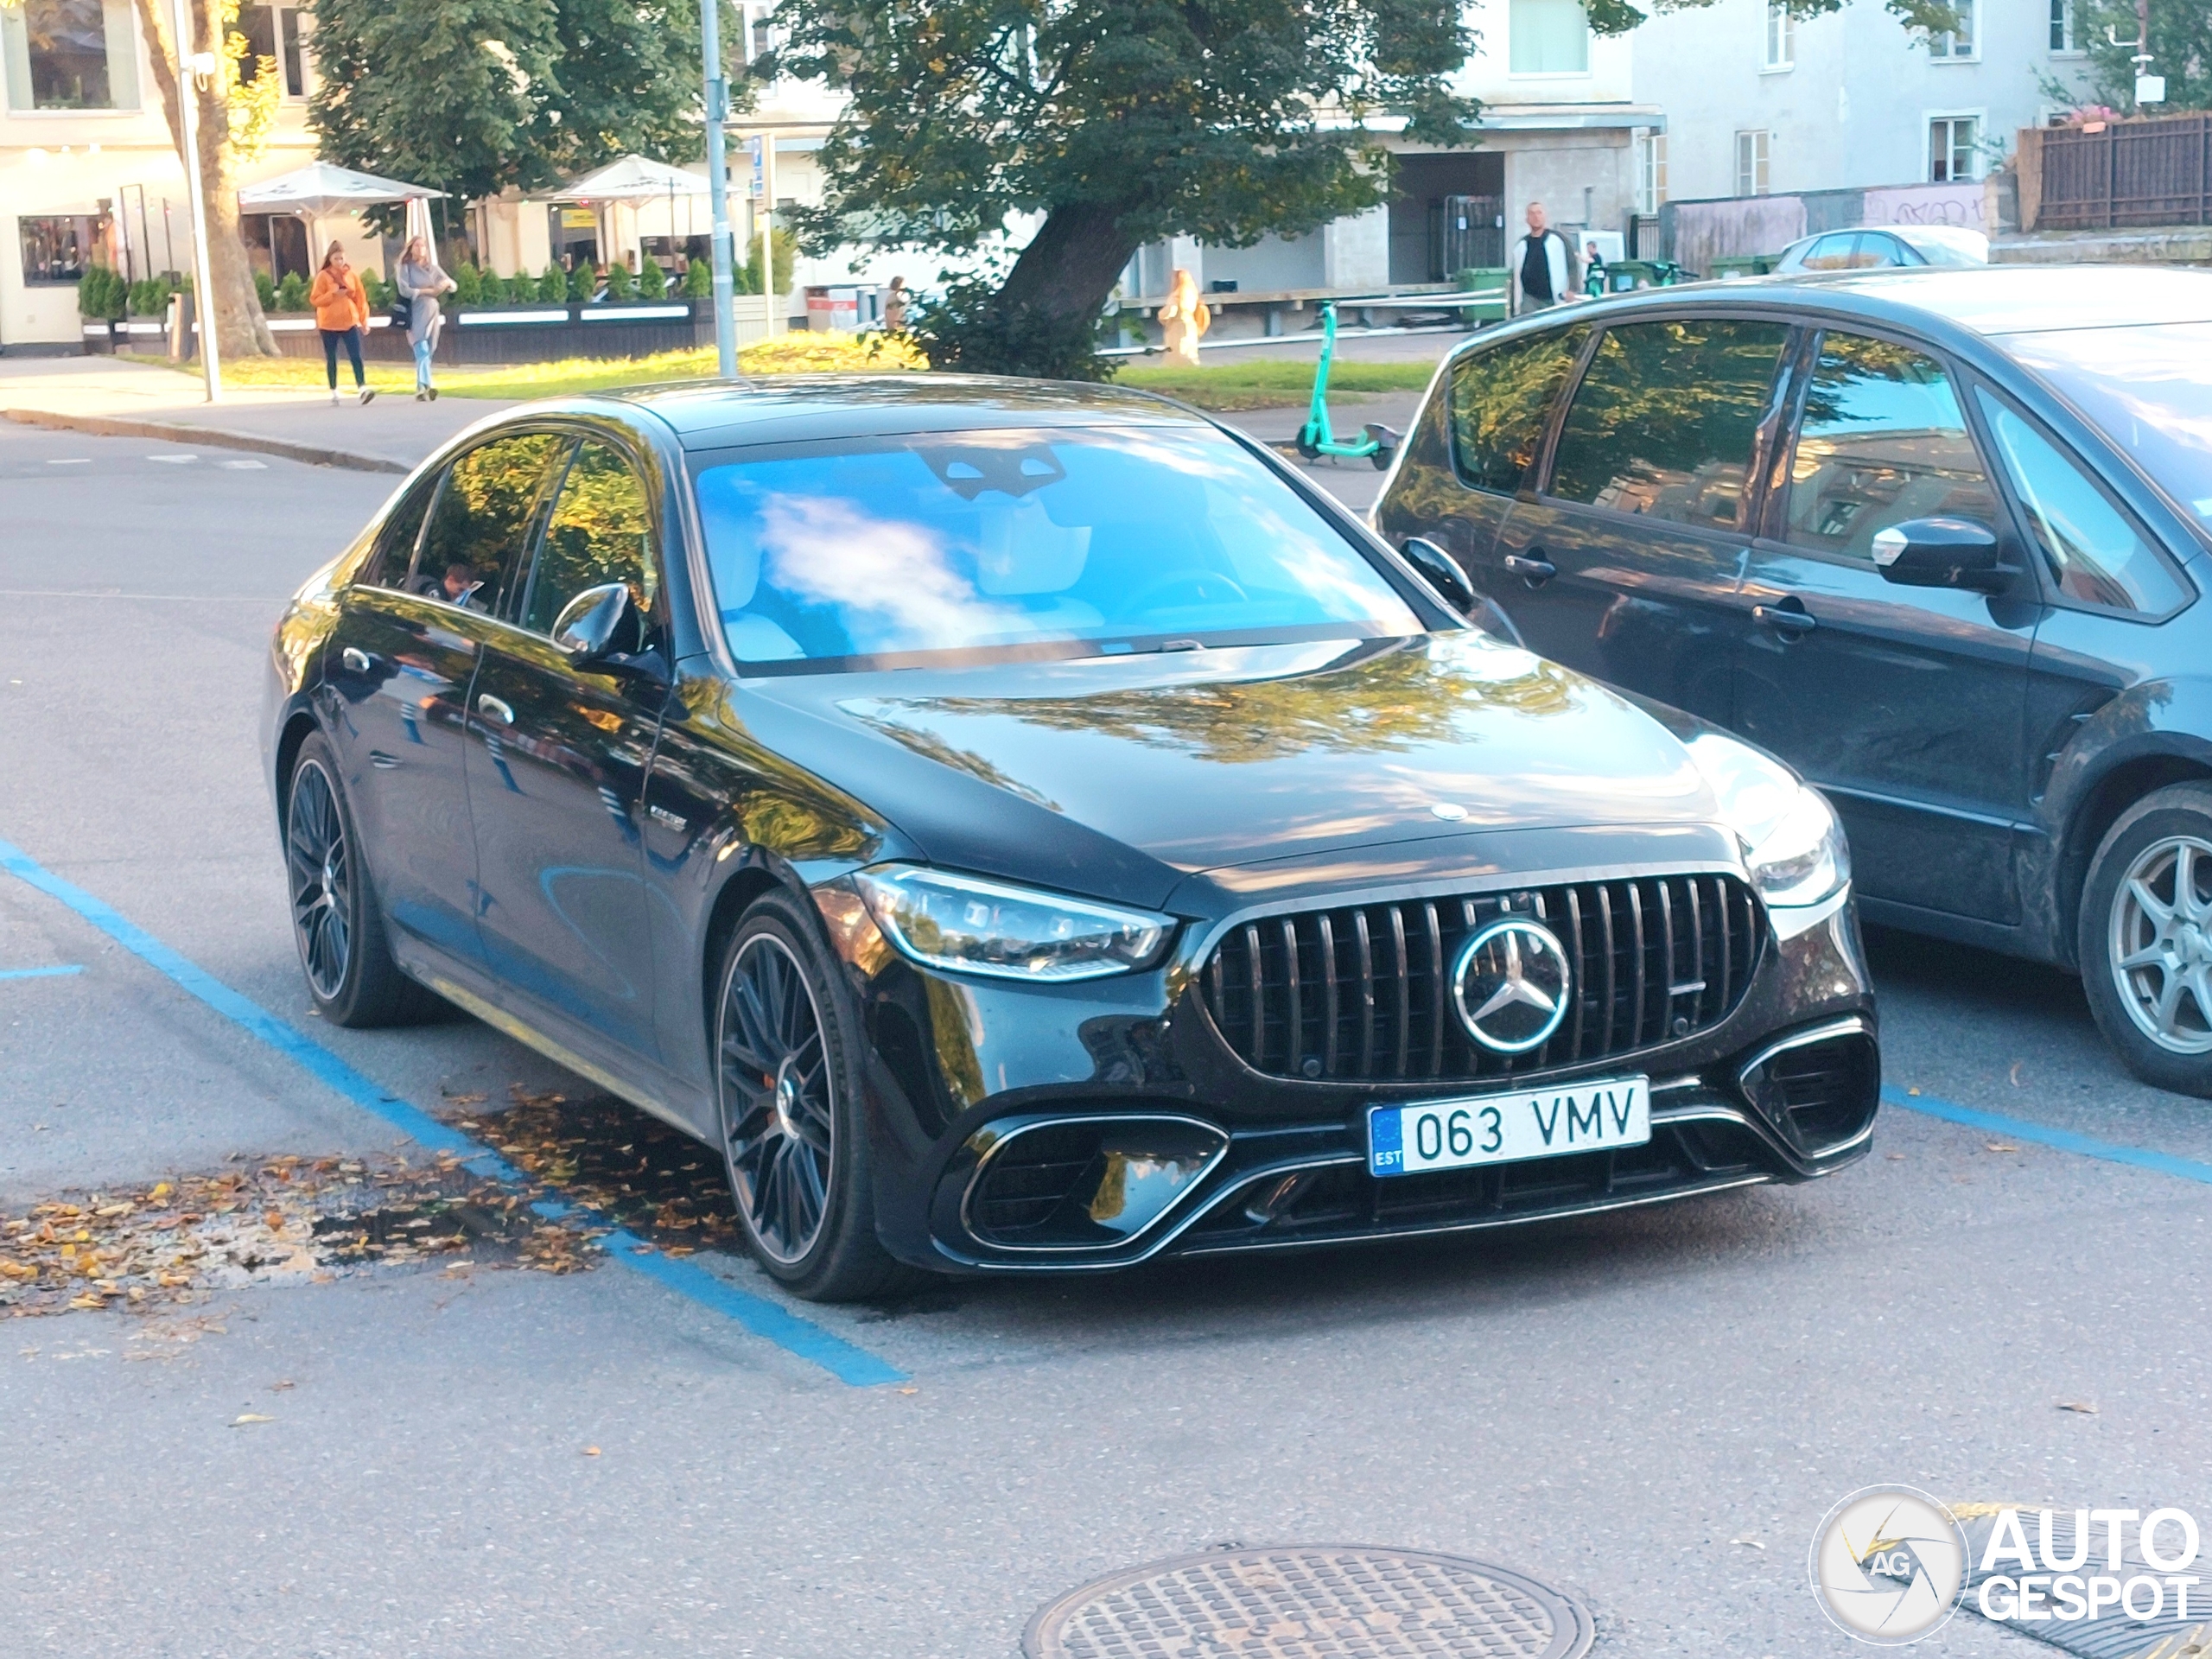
1905 704
397 675
1630 561
556 764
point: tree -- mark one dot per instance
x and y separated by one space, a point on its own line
2181 50
1116 123
477 96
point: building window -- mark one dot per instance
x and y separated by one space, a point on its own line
274 32
1751 163
1651 172
58 59
1549 37
58 247
2062 28
1781 31
1960 44
1954 149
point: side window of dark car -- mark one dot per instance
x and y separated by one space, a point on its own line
394 557
1883 439
2094 553
602 530
1666 418
480 526
1499 401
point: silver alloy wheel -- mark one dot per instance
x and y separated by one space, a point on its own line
321 869
778 1099
2161 944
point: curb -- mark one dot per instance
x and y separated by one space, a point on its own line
212 436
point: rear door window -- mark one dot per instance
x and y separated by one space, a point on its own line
1667 417
1882 440
601 531
480 528
1499 401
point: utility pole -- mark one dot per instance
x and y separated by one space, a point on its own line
2149 88
188 70
710 46
767 142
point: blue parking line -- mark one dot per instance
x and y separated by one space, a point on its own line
762 1317
40 973
2063 1139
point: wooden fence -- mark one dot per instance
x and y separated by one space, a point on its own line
2154 172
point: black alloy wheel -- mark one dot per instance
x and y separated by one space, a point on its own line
788 1084
343 951
2145 938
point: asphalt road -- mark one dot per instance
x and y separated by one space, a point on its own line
1650 1410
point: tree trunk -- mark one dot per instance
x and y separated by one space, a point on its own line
233 307
1070 265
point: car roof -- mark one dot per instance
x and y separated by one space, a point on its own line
1989 300
716 414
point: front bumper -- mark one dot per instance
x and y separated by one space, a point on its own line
1094 1126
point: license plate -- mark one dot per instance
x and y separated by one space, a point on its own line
1594 1117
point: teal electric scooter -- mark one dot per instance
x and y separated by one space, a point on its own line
1376 442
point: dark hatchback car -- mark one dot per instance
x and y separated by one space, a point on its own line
1026 827
1936 539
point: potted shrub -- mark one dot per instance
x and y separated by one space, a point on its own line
652 281
292 293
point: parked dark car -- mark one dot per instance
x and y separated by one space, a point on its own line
1025 826
1935 538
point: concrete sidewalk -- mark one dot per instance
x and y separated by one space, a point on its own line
100 394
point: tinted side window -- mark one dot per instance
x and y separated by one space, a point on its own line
1883 439
1665 419
2093 551
395 551
482 525
1830 253
600 531
1498 401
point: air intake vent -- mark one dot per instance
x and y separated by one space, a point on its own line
1364 991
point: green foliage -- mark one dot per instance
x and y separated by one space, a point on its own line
377 291
2181 50
292 293
583 282
699 280
785 246
553 286
620 283
652 281
102 293
149 298
1932 17
467 284
492 289
474 95
975 330
264 287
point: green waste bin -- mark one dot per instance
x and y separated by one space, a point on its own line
1489 282
1747 265
1625 274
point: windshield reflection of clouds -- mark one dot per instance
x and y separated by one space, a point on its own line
936 543
2148 388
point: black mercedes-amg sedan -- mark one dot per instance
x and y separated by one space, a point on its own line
1026 827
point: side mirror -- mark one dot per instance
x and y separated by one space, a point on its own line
1941 553
587 628
1433 563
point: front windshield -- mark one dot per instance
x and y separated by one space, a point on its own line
1090 541
2149 389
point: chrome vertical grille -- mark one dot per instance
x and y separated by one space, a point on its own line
1363 991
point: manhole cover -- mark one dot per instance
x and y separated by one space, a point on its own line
1311 1602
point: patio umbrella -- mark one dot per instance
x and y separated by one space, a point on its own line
633 178
323 188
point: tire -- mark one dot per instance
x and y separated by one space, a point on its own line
1383 458
789 1057
2145 938
336 922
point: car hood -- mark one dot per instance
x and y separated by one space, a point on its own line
1120 777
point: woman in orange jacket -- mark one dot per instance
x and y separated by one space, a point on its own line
342 311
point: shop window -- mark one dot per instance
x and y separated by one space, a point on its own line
69 55
58 247
273 32
1548 37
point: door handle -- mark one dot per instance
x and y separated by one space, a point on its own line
1532 566
492 708
1787 621
357 661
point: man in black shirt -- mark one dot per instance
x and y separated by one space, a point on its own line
1543 265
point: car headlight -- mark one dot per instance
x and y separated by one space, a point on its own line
974 926
1793 848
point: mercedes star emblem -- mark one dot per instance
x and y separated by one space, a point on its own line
1511 984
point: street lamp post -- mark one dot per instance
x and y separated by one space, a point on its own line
203 280
710 46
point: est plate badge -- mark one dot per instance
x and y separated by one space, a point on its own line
1595 1116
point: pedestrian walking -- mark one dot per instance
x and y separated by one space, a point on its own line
421 281
342 311
1543 265
894 306
1594 270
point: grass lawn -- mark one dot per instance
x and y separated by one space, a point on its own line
1253 383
